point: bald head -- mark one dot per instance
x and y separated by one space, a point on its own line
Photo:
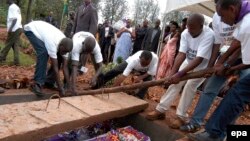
195 24
196 18
89 44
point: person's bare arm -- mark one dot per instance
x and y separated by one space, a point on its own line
13 23
178 61
192 65
119 80
98 72
119 33
73 76
214 55
141 77
66 73
233 47
233 52
55 67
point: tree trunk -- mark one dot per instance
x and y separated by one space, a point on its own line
192 75
28 14
112 13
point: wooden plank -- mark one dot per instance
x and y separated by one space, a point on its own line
184 139
92 105
30 121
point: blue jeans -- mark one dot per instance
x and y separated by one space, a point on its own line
42 57
230 108
211 90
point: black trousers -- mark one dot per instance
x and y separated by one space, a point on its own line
119 70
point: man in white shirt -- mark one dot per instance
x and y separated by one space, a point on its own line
195 51
14 28
223 39
106 33
84 44
231 12
48 42
144 62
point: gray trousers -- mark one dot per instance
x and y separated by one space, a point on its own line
12 42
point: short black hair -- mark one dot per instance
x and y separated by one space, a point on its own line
89 43
175 23
196 17
227 3
184 20
67 43
147 55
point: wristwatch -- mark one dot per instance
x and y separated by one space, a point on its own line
227 66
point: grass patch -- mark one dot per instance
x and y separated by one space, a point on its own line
25 60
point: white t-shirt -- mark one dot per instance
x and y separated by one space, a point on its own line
106 31
200 46
223 33
50 35
242 34
14 13
78 38
134 64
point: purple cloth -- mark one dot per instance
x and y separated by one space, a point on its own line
245 9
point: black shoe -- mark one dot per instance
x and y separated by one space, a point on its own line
36 89
49 86
190 127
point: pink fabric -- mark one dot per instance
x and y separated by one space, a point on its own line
167 58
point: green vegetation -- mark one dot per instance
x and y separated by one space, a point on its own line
119 60
107 68
25 60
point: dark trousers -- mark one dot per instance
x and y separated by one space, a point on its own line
105 50
230 108
119 70
12 42
41 55
137 45
112 50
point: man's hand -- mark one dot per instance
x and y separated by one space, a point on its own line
166 82
69 90
61 92
175 79
119 80
219 69
230 71
137 79
93 82
73 92
207 75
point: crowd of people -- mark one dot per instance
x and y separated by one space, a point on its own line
191 47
